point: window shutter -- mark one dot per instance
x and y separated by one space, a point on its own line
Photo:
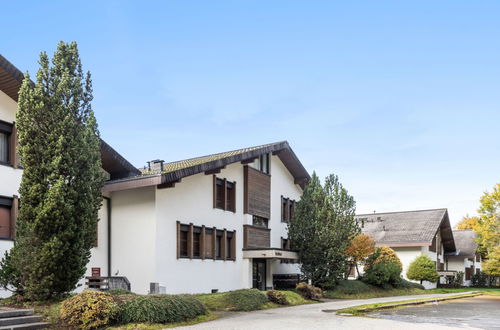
223 245
202 242
190 241
178 239
14 213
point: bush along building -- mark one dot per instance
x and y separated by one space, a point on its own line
216 222
412 233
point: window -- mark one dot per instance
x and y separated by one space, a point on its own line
7 217
285 243
183 237
287 209
5 142
230 194
263 163
224 194
199 242
260 221
196 244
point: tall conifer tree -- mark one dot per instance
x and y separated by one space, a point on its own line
62 179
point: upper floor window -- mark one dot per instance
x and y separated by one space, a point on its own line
263 164
287 209
5 133
195 242
260 221
224 194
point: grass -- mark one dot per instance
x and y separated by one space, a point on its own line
293 298
493 291
155 326
362 309
354 289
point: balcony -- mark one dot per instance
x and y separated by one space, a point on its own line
256 237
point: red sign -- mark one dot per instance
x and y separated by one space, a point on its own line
96 271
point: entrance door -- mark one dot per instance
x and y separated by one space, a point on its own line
259 274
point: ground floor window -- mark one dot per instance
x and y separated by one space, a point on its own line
200 242
8 214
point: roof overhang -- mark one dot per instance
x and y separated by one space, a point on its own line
405 244
270 253
10 78
447 234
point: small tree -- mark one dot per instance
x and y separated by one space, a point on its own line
383 267
422 269
62 179
322 228
360 248
491 266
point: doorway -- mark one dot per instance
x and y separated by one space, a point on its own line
259 274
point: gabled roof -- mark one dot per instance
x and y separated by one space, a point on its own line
465 242
408 228
175 171
11 79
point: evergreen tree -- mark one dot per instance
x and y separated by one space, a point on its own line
62 179
322 228
422 269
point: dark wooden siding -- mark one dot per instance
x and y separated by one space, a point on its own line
257 193
256 237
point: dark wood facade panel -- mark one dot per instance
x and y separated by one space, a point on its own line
257 193
256 237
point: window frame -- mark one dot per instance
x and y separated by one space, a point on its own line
11 204
222 243
287 209
7 129
228 189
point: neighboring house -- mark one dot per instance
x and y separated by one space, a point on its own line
466 258
209 223
411 233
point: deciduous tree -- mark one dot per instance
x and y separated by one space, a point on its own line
422 269
360 248
468 223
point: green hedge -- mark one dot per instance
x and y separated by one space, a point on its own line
161 309
352 287
245 300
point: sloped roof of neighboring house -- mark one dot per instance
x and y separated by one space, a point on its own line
175 171
465 242
115 164
408 228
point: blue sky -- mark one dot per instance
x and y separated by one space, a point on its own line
400 99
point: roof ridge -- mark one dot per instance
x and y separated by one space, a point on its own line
403 211
229 151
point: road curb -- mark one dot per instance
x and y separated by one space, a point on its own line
409 303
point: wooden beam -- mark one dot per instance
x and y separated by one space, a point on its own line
168 184
248 161
215 170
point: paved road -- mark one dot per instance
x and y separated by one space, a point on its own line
312 316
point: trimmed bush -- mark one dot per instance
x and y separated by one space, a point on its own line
161 309
422 269
277 297
245 300
121 292
383 268
89 310
309 291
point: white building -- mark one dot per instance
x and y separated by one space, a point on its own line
214 222
465 259
412 233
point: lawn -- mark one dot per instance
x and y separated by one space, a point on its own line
355 289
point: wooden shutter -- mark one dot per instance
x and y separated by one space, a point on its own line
190 241
202 242
223 245
178 232
5 220
14 213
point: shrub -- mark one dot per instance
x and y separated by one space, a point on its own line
309 291
383 274
422 269
458 280
245 300
383 267
277 297
404 284
89 310
120 292
161 308
479 280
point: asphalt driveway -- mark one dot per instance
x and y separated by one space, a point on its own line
313 316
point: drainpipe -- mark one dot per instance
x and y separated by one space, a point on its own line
108 207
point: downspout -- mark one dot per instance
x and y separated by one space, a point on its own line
108 207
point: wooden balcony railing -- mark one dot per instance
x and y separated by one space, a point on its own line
256 237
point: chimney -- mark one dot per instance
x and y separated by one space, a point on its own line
156 165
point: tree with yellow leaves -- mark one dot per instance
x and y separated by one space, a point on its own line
360 248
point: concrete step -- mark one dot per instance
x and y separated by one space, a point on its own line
19 320
27 326
8 313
